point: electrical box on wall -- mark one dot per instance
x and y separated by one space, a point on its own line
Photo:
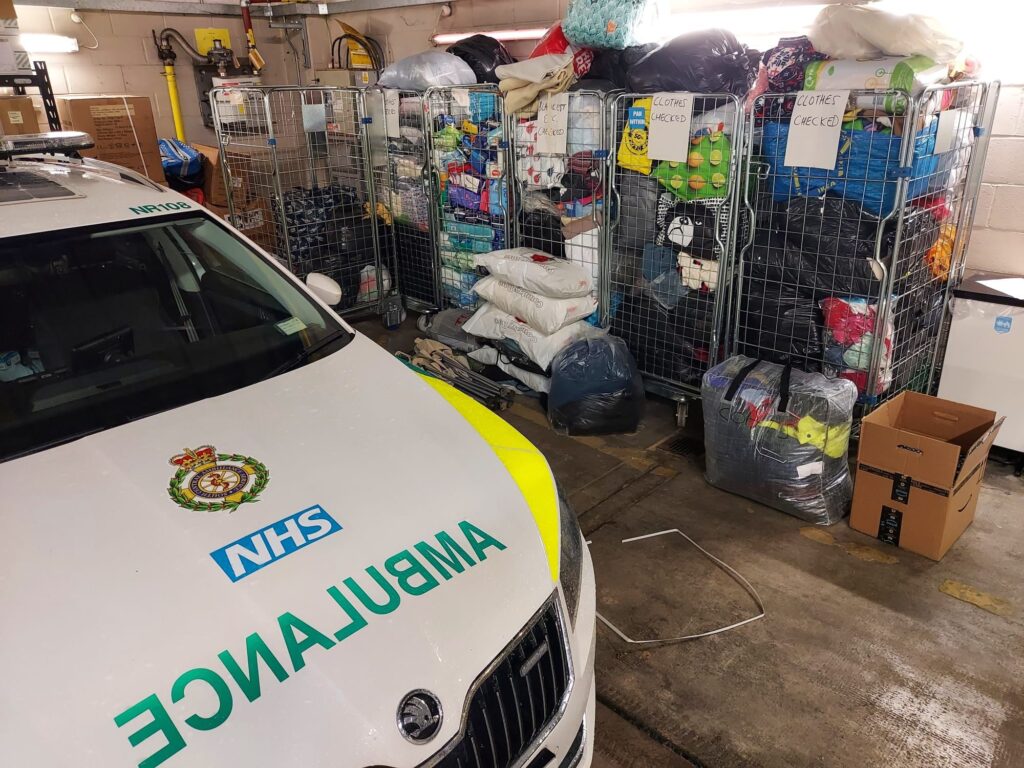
208 77
345 78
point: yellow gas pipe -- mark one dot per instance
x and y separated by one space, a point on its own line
172 93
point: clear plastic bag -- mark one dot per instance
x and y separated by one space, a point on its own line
780 437
427 69
595 389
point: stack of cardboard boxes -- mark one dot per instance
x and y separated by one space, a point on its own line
13 58
252 215
122 126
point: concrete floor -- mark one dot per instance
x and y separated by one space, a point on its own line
861 660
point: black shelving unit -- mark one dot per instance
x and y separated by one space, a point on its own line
38 78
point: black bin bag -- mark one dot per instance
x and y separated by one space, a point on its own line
595 389
483 54
709 61
779 324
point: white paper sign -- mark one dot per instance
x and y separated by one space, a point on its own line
391 106
814 129
314 118
668 134
553 125
951 122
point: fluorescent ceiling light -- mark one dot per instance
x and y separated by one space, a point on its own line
40 43
504 35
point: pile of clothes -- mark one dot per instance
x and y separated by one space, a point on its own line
673 226
779 436
330 230
812 284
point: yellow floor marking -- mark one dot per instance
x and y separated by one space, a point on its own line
818 535
982 600
860 551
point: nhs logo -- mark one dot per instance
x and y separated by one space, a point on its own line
250 553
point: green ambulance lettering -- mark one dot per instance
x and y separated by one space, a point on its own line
256 648
225 703
450 558
298 637
144 209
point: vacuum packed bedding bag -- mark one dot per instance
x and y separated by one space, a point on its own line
779 436
543 313
866 171
595 389
538 272
491 322
424 70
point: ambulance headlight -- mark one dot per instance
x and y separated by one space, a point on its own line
570 571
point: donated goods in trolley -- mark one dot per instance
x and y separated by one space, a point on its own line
561 180
468 152
398 149
847 271
667 266
301 162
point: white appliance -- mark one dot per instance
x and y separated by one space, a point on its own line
984 364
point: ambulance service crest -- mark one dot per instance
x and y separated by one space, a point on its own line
207 481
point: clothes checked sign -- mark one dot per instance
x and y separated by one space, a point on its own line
814 129
668 137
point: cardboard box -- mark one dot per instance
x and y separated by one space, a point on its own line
122 126
213 178
253 220
8 18
17 116
919 471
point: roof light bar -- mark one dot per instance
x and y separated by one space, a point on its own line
54 143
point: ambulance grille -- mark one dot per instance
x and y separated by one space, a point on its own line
518 699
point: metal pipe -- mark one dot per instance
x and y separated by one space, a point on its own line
172 93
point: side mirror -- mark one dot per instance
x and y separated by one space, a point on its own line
324 288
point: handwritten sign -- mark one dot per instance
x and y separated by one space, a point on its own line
391 121
668 137
951 122
814 129
553 125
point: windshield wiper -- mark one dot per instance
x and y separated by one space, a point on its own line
303 357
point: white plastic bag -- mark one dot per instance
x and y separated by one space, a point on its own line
491 356
423 70
543 313
538 272
489 322
858 32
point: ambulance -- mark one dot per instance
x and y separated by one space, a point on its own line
236 532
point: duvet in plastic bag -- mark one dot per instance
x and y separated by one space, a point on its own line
867 167
424 70
709 61
780 437
595 389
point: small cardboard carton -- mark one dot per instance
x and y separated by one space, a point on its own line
213 178
17 116
919 471
122 127
253 220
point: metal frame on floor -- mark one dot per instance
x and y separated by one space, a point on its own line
301 158
668 253
837 260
